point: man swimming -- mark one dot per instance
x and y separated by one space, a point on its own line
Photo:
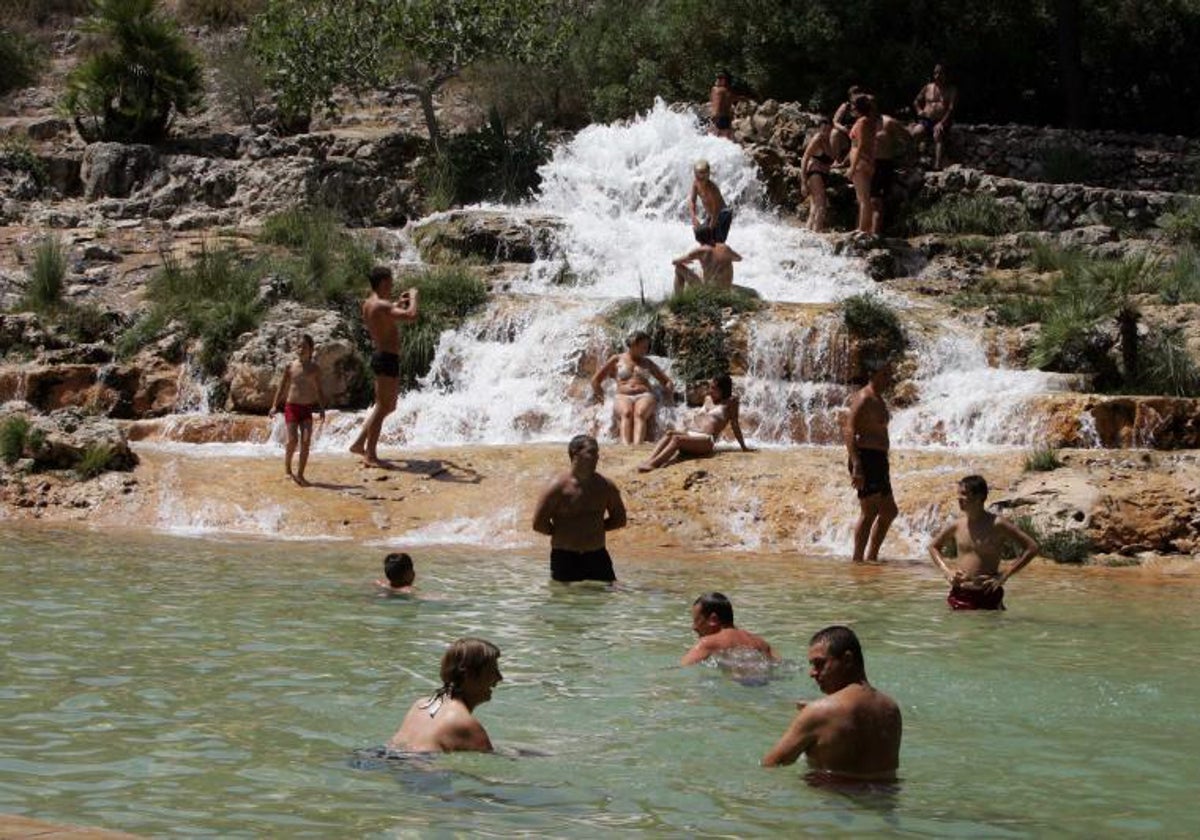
716 267
720 104
979 537
576 511
712 619
717 217
399 575
867 449
854 731
382 318
934 107
446 722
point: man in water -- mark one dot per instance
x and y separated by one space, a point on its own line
712 619
716 267
854 731
446 722
979 537
382 318
717 217
867 450
934 107
576 511
720 103
399 574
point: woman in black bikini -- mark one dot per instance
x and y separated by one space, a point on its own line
817 160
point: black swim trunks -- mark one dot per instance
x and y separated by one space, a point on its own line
571 566
385 364
723 123
882 177
716 230
877 478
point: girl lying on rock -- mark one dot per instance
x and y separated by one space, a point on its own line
699 436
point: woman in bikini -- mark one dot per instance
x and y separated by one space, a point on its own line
862 158
635 402
700 438
817 160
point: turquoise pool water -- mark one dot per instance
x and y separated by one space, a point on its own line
181 686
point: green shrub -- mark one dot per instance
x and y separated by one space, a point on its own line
1183 225
240 87
1066 546
294 227
698 302
85 323
448 295
874 324
94 460
220 13
1042 459
1046 257
39 12
977 213
629 316
1180 283
16 155
140 78
1166 366
22 60
1068 165
327 264
1017 311
14 434
47 275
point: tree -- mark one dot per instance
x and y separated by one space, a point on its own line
141 76
312 47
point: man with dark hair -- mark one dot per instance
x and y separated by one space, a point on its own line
712 619
979 537
381 317
934 107
716 261
399 573
867 450
854 731
576 511
720 102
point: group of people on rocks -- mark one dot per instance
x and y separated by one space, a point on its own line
859 140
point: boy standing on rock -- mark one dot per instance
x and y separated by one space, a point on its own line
302 383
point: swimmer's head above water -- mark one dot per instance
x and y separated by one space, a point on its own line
470 667
711 613
398 569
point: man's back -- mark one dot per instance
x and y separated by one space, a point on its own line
858 732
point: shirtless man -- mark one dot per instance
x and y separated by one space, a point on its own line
446 722
867 449
720 104
712 619
853 732
301 382
717 217
889 141
934 107
576 511
716 267
382 318
979 536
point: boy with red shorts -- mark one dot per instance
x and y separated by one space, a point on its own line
302 383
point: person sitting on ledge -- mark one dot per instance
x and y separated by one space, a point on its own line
700 437
716 261
446 722
636 402
712 619
979 537
399 573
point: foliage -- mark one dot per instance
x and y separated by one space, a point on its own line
326 264
39 12
239 84
448 294
698 345
94 460
1019 310
215 298
85 323
1046 257
22 60
16 155
1042 459
1180 282
872 322
220 13
14 434
1166 366
1183 225
142 75
1068 165
47 275
630 316
484 165
711 302
978 213
1067 546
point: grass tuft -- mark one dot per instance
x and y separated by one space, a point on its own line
978 213
14 434
94 460
1042 459
47 275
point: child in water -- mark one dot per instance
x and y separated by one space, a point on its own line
399 575
302 383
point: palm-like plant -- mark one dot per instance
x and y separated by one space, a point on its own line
141 76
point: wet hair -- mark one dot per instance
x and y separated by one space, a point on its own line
578 443
465 658
838 640
975 485
705 235
701 166
635 337
307 341
378 275
724 385
714 603
863 104
398 569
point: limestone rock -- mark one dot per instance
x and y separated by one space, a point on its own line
116 170
61 439
491 237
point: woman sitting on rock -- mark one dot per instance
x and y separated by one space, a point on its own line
700 436
636 402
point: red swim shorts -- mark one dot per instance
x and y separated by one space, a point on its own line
297 412
975 599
